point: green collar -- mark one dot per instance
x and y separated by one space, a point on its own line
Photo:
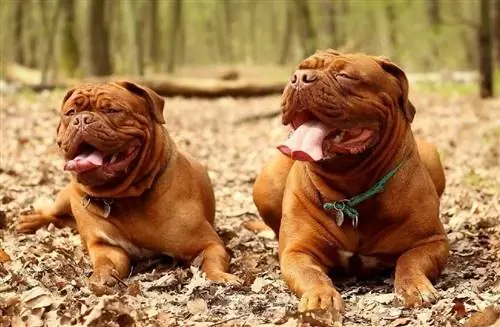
346 207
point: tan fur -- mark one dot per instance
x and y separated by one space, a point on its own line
166 206
399 227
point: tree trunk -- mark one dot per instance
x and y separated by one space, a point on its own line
393 36
287 34
70 52
306 28
485 52
49 27
329 8
434 16
99 59
19 32
496 28
228 29
33 37
175 30
154 39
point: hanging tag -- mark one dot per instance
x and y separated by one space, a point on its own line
107 208
339 217
355 221
85 201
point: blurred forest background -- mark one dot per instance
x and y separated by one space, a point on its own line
48 41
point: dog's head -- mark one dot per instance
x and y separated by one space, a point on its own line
106 131
342 104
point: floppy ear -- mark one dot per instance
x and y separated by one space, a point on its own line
155 102
394 70
68 95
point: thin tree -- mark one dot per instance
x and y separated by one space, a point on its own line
496 28
175 31
307 31
154 31
287 34
330 23
49 26
70 51
435 20
99 55
485 51
19 32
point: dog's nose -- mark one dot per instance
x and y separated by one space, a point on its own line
83 119
304 77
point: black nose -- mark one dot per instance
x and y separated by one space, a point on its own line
83 118
304 77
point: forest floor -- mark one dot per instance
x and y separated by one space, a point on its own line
46 279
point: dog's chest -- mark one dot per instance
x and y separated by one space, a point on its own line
358 263
132 249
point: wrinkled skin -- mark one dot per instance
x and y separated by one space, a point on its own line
397 228
162 201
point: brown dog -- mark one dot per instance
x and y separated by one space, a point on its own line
350 120
132 193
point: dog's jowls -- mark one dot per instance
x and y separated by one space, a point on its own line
349 117
132 192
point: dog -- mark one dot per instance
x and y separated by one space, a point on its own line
352 189
132 193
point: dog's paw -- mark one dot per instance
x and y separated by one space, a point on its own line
104 282
30 223
326 298
224 277
415 291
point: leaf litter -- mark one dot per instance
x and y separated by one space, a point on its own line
43 275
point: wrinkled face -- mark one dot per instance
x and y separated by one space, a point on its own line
341 104
104 128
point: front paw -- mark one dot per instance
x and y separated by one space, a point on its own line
225 278
415 291
30 223
104 281
326 298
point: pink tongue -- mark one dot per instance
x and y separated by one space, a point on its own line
306 142
84 162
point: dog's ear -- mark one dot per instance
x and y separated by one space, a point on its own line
68 94
155 101
394 70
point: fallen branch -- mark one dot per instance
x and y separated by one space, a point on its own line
226 86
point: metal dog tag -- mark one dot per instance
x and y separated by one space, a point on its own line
339 217
107 208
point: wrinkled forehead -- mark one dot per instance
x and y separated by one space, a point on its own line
331 60
105 95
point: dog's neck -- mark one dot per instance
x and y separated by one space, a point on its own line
354 175
153 162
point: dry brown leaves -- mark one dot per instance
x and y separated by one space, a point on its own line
44 283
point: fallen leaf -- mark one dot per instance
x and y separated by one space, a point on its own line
197 306
37 297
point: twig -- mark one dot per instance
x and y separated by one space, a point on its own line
226 320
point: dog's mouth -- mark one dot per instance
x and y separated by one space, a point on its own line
312 140
88 157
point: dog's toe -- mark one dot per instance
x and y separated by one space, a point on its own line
416 292
326 298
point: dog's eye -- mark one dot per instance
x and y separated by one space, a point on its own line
70 112
345 75
110 110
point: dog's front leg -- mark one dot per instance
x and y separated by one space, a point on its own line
308 279
57 213
417 267
110 264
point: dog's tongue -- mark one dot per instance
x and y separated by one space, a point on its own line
85 161
306 142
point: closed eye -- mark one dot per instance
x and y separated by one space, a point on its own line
345 75
110 111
